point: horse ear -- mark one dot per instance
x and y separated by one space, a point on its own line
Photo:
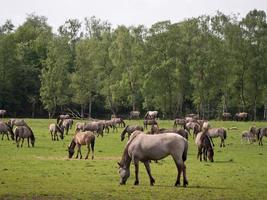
119 164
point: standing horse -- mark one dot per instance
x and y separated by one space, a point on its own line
134 115
143 147
260 133
82 138
204 143
180 122
4 129
248 136
62 117
226 116
79 126
151 115
156 130
22 132
194 126
94 127
119 121
54 128
243 116
150 122
218 132
16 122
130 129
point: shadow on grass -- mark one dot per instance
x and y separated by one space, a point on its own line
225 161
193 187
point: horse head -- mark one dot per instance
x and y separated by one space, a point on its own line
124 173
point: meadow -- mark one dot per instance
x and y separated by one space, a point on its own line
45 172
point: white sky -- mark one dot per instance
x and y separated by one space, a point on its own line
127 12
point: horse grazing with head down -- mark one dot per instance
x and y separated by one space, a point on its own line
22 132
82 138
5 129
143 147
54 129
205 147
130 129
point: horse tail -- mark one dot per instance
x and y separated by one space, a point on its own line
93 146
184 156
258 133
224 134
29 128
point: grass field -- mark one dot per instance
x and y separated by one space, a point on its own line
45 172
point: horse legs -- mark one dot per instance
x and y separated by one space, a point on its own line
185 181
199 153
148 170
88 151
22 142
136 165
179 170
79 150
51 135
28 142
18 141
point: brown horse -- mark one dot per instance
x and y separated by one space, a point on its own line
5 128
180 122
82 138
205 146
226 116
22 132
143 147
62 117
150 122
243 116
94 127
130 129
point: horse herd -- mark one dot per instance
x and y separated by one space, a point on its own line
152 145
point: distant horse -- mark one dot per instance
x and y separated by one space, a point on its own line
111 124
54 129
193 126
66 124
16 122
156 130
134 115
195 116
62 117
151 115
226 116
180 122
190 119
260 133
94 127
150 122
119 121
82 138
243 116
130 129
22 132
2 113
79 126
5 129
248 136
205 147
143 147
218 132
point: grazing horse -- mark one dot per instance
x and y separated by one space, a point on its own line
243 116
143 147
248 136
22 132
180 122
156 130
150 122
79 126
130 129
94 127
119 121
134 115
66 124
260 133
4 129
2 113
194 126
151 115
62 117
226 116
16 122
205 147
54 128
111 124
218 132
82 138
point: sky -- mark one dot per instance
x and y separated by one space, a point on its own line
126 12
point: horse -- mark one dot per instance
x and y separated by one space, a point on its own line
111 124
62 117
156 130
79 126
22 132
4 129
151 114
134 115
205 147
226 116
218 132
248 136
94 127
66 124
54 128
150 122
241 116
192 115
16 122
190 119
180 122
2 113
260 133
130 129
194 126
119 121
82 138
143 147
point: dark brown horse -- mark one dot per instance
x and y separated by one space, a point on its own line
205 146
22 132
82 138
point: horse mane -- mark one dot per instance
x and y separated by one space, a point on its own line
125 154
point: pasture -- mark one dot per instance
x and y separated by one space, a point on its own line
45 172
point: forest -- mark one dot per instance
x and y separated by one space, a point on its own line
206 65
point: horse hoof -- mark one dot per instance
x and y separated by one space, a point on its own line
136 183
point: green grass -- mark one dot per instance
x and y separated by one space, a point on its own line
45 172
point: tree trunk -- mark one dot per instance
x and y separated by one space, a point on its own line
82 111
265 111
90 108
33 110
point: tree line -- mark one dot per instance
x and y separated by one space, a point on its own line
206 65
